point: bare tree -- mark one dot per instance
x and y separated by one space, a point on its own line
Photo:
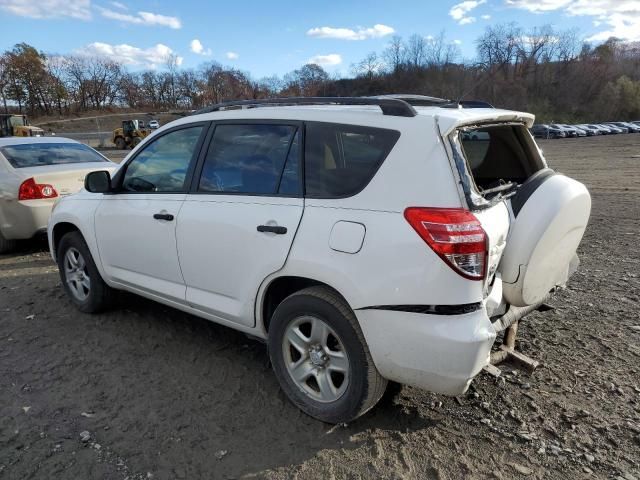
368 67
394 54
416 51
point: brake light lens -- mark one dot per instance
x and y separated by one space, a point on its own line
455 235
30 190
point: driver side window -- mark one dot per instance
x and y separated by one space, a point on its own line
163 164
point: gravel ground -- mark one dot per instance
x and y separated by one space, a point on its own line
148 392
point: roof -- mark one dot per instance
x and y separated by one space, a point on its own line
447 118
4 141
447 113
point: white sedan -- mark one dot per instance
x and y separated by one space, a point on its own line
34 174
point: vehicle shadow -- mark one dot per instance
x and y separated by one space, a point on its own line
205 397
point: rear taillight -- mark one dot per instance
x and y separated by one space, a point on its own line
455 235
30 190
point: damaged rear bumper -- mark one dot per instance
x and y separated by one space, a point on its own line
440 353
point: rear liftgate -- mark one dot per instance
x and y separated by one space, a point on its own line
548 216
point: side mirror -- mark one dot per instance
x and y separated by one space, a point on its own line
98 182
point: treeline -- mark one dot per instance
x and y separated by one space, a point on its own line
545 71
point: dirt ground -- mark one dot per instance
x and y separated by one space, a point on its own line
164 395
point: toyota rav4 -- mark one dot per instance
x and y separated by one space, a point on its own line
366 240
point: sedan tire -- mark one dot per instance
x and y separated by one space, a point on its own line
321 358
6 245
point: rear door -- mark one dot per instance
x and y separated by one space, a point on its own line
136 226
238 222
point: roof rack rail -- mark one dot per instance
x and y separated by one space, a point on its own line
417 100
389 106
426 101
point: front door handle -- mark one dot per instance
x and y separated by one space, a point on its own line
272 229
163 216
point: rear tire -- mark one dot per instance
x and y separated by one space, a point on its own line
6 246
80 276
337 380
121 144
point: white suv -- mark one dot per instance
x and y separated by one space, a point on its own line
365 239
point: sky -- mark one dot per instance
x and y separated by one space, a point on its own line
274 37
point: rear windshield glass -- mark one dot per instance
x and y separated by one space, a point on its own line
39 154
340 160
500 155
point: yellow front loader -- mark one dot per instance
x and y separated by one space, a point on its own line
130 134
18 126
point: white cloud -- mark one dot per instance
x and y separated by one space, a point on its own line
457 42
119 5
80 9
129 55
197 48
621 25
143 18
376 31
232 55
485 17
459 12
620 18
326 60
539 6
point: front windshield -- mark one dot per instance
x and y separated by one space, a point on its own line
39 154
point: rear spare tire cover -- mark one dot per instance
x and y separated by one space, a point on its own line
543 240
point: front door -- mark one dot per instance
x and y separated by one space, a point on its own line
237 225
136 226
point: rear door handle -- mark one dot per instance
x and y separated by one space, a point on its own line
272 229
163 216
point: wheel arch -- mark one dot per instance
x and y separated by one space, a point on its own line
58 231
76 212
279 288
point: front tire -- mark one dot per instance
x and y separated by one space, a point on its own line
80 276
321 358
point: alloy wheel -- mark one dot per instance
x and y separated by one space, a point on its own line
315 358
76 274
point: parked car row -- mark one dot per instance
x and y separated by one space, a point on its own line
562 130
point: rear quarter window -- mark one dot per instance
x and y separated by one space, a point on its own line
340 160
